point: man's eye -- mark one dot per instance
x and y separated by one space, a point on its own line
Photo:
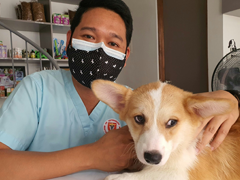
88 36
113 44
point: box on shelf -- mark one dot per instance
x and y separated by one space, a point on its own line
65 19
57 18
7 75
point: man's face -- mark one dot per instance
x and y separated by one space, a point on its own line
102 25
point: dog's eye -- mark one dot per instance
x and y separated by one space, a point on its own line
139 119
171 123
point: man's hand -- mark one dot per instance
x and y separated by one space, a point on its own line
217 127
115 151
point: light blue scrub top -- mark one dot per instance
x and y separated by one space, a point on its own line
45 113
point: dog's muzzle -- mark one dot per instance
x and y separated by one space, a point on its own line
152 157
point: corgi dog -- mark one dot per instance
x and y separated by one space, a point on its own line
163 121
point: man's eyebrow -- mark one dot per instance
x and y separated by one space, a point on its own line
116 36
94 30
88 28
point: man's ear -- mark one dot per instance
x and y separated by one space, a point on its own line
69 33
127 55
113 94
206 107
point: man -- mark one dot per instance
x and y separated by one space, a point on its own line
53 125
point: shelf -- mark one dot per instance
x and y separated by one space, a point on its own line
61 25
61 60
61 28
16 60
75 2
21 59
23 25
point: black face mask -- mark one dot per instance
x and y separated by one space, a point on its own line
87 66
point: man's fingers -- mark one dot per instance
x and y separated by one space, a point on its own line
124 133
200 128
124 128
130 150
209 132
135 165
221 134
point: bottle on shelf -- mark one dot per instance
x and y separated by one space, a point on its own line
32 54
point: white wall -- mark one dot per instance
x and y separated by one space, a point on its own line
231 30
215 36
221 29
142 65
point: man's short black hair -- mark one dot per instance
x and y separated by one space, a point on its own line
118 6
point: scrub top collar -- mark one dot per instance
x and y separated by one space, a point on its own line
78 103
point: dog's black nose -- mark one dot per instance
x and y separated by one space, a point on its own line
153 157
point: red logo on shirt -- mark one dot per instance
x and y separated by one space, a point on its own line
111 124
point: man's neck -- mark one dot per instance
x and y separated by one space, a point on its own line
89 99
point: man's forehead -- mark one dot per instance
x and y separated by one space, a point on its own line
103 17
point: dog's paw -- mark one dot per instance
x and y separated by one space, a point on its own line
124 176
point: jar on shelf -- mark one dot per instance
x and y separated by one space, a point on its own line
24 53
10 71
4 51
9 53
8 90
17 52
32 54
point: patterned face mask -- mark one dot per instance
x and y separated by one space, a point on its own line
91 61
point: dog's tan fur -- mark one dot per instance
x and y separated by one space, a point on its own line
189 110
223 163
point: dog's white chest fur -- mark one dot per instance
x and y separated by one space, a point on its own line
178 169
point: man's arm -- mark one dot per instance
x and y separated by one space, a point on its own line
110 153
37 165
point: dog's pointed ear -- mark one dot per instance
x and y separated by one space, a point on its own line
113 94
206 107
